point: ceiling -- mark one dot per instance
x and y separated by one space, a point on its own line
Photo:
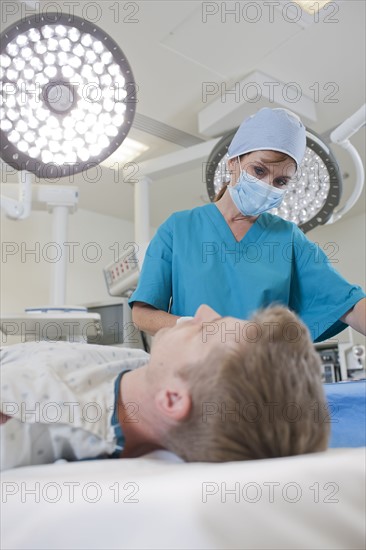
176 50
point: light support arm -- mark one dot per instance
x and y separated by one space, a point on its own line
350 126
59 201
60 215
340 136
19 209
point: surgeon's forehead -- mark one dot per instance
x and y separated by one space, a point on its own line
275 161
270 157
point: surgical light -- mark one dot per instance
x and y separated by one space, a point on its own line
312 194
63 80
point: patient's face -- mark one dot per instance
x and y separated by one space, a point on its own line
193 341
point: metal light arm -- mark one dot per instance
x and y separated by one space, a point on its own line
19 209
340 136
349 126
59 201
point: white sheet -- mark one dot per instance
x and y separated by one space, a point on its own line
169 511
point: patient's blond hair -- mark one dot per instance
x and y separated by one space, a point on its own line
272 386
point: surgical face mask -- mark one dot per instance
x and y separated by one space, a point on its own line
252 196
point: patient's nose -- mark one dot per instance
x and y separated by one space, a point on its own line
206 313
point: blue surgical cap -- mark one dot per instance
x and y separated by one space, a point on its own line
270 129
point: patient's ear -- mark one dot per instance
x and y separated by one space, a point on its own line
173 404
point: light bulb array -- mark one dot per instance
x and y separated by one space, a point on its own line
64 94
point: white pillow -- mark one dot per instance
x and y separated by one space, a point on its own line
159 502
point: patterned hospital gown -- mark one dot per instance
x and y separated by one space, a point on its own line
61 400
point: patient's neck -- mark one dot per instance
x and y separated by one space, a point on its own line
134 416
138 450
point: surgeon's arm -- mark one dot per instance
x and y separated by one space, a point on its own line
356 317
149 319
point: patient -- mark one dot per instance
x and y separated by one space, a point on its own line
213 389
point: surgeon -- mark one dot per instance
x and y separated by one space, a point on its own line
237 257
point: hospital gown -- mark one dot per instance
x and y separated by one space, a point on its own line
195 259
61 399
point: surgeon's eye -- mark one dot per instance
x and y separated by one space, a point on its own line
281 183
258 170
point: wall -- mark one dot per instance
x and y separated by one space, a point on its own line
26 275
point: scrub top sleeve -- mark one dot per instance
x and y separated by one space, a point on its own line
319 294
155 281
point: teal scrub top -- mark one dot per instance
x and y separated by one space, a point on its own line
195 259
